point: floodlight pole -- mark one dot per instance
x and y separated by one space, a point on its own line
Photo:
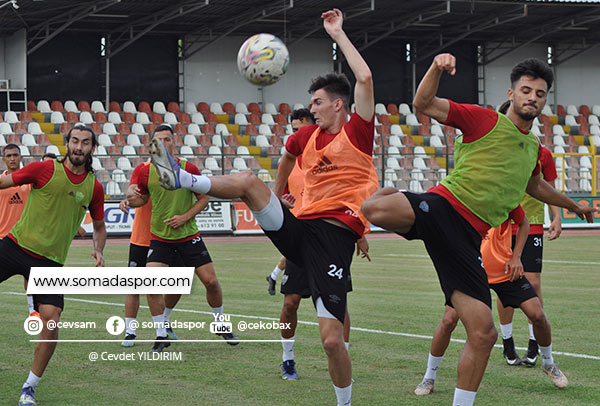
107 78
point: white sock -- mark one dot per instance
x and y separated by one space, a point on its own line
344 395
217 311
531 335
270 217
167 315
276 273
30 304
195 183
547 358
463 397
32 380
288 348
347 344
128 322
433 363
159 324
506 330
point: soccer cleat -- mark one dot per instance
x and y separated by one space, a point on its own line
288 370
159 346
510 354
425 387
271 283
35 314
171 334
532 354
230 338
166 165
558 378
27 398
129 340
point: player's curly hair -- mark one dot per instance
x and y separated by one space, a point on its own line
336 85
83 127
532 67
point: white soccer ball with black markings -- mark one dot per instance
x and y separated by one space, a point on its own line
263 59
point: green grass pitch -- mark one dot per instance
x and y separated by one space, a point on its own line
397 292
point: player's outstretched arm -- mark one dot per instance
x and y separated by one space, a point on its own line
363 90
426 100
6 181
99 237
283 173
541 190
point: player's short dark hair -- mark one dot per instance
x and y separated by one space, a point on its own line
532 67
336 85
301 114
10 146
49 155
164 127
504 107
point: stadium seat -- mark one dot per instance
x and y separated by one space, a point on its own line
129 107
240 119
572 110
86 117
71 117
142 118
395 129
217 140
392 163
254 108
593 120
100 117
436 141
547 111
240 164
98 107
114 106
298 106
5 128
43 106
52 149
228 108
31 106
211 164
404 109
262 141
133 140
536 131
194 129
186 151
285 109
559 141
96 164
57 105
395 141
558 149
203 108
112 189
394 151
173 107
109 128
420 151
558 130
190 140
159 107
57 117
264 129
118 175
124 164
170 118
270 109
43 140
114 117
28 140
415 186
571 120
190 108
241 108
11 117
84 106
198 118
216 108
380 109
412 120
34 128
267 118
144 107
128 150
24 117
214 150
222 129
137 129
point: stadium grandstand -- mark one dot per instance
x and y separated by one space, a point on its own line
123 67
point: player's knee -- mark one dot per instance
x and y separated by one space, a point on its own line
538 318
290 305
247 179
211 283
484 336
332 344
449 323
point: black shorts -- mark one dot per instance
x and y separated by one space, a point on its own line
15 261
138 255
452 244
531 258
295 282
187 253
324 251
514 293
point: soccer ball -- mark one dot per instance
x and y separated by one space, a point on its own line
263 59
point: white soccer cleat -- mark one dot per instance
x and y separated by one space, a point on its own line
165 164
558 378
425 387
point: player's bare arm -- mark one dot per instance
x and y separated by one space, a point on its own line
426 100
135 198
514 264
364 98
180 219
6 182
99 238
283 172
543 191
